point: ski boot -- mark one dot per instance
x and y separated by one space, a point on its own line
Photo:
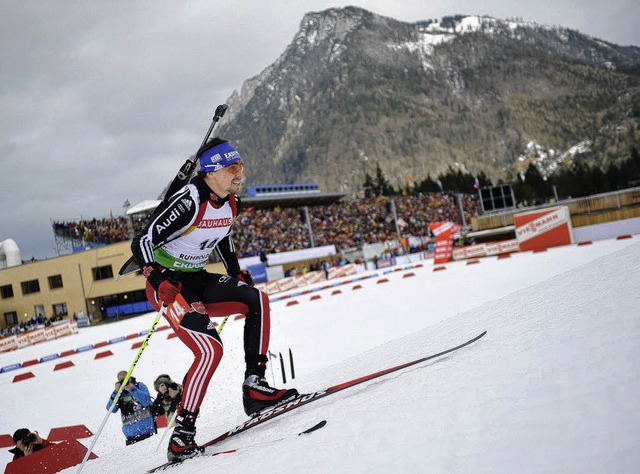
182 444
257 395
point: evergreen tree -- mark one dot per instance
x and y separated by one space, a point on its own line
382 186
369 187
428 185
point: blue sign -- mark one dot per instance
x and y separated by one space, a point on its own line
258 272
85 348
49 357
10 367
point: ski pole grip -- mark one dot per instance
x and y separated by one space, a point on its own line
220 110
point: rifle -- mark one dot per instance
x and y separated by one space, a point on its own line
185 173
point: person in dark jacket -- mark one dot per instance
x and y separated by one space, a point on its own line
27 442
168 397
135 409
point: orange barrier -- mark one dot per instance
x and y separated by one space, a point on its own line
161 421
101 355
69 432
55 458
6 441
63 365
21 377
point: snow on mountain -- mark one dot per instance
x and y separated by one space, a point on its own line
552 387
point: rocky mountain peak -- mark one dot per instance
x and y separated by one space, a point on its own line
354 90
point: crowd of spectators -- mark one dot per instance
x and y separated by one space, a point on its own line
34 323
100 231
346 224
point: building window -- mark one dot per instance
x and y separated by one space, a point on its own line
11 318
7 291
55 281
102 273
60 309
31 286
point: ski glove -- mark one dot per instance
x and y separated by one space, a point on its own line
166 287
168 290
245 276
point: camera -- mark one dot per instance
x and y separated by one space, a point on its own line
29 439
173 386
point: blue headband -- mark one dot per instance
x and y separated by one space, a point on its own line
218 157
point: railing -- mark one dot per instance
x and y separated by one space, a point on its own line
579 207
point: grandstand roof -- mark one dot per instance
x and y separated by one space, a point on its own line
292 200
262 202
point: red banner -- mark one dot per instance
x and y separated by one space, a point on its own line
544 228
444 232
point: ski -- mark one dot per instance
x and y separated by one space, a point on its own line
204 453
304 399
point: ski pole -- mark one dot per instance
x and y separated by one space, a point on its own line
175 413
184 174
273 377
284 375
224 321
293 372
169 424
122 385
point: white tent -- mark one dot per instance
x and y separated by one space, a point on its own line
142 207
9 254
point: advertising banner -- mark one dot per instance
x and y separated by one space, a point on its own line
444 232
543 228
486 250
8 343
258 272
22 339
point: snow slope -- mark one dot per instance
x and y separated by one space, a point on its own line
553 386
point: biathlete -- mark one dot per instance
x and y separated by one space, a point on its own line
172 251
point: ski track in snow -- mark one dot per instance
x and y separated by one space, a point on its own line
552 387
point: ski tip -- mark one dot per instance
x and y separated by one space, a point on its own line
315 427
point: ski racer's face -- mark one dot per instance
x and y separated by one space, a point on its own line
227 180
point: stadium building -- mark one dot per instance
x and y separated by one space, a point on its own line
84 282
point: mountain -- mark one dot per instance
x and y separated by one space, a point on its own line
354 90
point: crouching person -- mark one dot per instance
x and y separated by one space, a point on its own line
169 397
27 442
135 409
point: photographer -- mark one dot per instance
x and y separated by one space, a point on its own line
135 409
168 397
27 442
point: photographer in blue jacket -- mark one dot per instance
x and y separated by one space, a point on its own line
135 409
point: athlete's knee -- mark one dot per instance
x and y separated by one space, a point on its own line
211 351
256 300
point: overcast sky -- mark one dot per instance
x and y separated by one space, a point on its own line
102 101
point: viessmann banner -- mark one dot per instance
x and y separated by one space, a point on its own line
543 228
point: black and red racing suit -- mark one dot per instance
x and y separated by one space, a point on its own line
179 240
